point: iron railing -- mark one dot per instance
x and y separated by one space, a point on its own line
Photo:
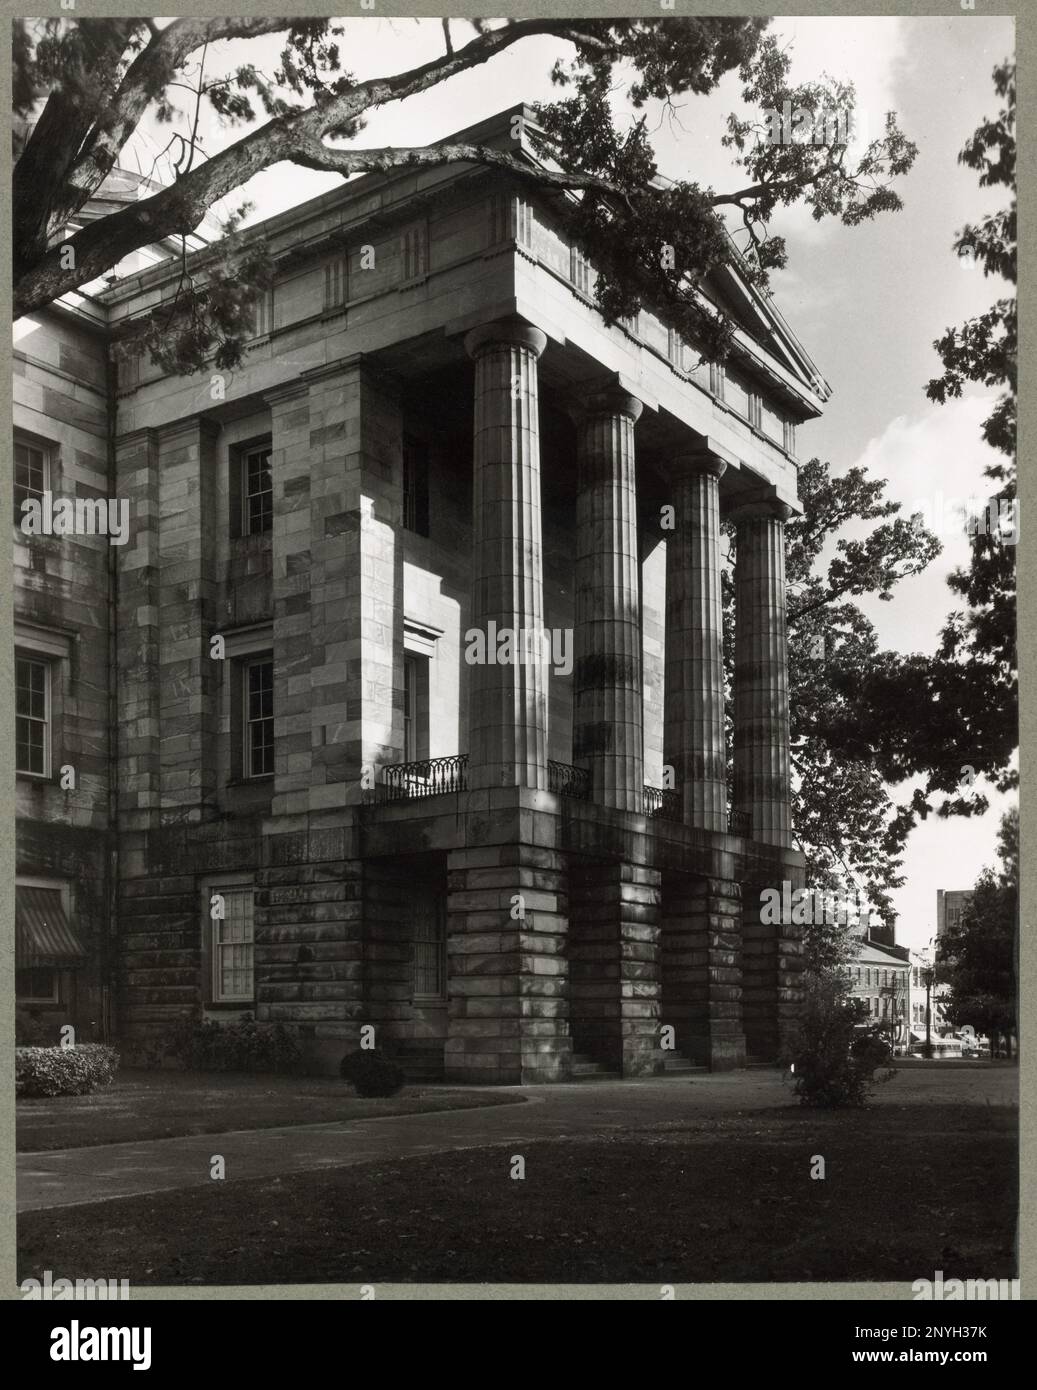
739 823
662 803
427 777
565 780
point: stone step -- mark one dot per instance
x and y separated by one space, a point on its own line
677 1063
584 1068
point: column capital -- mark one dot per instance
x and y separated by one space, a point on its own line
608 399
760 508
701 461
510 332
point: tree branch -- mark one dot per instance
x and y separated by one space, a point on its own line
297 137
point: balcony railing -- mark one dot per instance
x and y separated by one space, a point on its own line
662 803
739 823
427 777
565 780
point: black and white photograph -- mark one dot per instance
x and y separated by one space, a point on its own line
514 659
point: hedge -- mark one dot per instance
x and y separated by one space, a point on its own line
64 1071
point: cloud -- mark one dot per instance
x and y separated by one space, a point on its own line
931 463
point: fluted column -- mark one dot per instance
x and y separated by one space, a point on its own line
507 742
694 743
761 695
608 727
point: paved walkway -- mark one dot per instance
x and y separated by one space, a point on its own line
70 1177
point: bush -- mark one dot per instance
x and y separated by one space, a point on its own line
371 1072
64 1071
833 1060
29 1029
205 1045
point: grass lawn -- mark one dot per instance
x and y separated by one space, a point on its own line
166 1104
908 1190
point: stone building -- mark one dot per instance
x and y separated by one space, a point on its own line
290 691
880 976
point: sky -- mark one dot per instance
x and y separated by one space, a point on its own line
866 302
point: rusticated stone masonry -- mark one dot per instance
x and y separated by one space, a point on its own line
614 965
702 969
506 939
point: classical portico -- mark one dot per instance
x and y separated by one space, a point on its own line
512 866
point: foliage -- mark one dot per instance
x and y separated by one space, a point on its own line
30 1030
90 82
64 1071
371 1072
245 1045
832 1058
979 956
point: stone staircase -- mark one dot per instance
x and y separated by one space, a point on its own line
676 1064
585 1068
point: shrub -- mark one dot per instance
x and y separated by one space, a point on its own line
64 1071
371 1072
833 1059
29 1030
245 1045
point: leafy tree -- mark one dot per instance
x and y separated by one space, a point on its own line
965 702
979 957
88 84
836 1049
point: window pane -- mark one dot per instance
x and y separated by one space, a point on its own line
31 716
259 492
232 944
259 717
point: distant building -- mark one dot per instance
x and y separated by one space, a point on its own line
916 1005
950 903
880 975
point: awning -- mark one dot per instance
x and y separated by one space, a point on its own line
43 934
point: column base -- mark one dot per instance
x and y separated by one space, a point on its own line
719 1051
471 1061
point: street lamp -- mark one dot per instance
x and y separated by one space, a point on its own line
927 973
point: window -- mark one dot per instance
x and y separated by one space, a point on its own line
257 490
36 985
45 942
415 485
231 914
263 314
430 949
31 475
32 716
414 251
415 707
258 708
335 283
579 270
